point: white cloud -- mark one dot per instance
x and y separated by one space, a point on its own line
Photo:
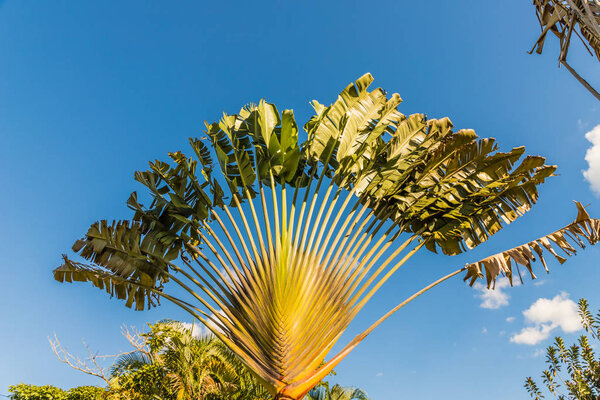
200 329
493 298
214 322
560 311
532 334
484 330
546 315
197 330
379 374
592 156
227 277
510 319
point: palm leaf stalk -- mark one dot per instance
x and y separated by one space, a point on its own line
565 17
278 248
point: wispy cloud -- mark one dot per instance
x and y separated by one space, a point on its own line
546 315
538 353
484 330
510 319
197 329
582 125
493 298
592 156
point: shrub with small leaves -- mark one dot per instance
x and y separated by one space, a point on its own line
86 393
573 372
31 392
48 392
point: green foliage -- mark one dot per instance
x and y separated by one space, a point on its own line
179 365
176 365
336 392
47 392
573 372
86 393
144 382
32 392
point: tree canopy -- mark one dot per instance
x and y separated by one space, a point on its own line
47 392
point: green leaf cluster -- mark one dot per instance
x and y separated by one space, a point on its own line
47 392
449 187
324 391
573 371
179 365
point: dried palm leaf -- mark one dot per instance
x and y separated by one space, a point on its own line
575 235
562 18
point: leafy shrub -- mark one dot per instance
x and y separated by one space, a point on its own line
85 393
48 392
32 392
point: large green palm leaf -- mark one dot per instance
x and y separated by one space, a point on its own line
313 230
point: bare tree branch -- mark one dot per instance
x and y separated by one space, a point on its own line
136 340
92 365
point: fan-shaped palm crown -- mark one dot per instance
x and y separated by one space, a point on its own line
280 244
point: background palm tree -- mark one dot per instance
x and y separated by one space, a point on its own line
335 392
280 244
174 363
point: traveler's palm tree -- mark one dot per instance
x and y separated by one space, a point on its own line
278 245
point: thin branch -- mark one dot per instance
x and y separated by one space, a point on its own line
135 339
83 365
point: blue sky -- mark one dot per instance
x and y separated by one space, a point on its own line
90 91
